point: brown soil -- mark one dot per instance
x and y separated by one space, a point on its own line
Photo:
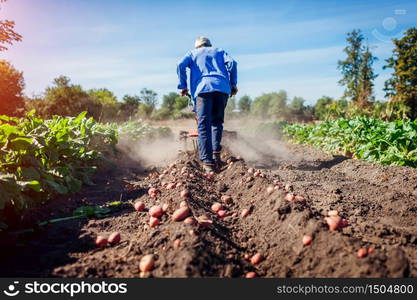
379 202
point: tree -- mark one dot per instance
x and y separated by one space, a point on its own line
180 103
148 97
278 104
321 108
244 104
129 106
168 101
11 89
366 79
66 99
107 101
297 108
7 33
402 86
357 70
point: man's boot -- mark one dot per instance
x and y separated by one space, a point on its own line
209 167
217 159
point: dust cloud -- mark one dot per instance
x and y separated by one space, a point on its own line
150 153
262 149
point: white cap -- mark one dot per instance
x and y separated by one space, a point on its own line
202 41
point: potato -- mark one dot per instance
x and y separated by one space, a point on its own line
153 192
139 206
190 221
371 250
245 212
204 221
180 214
251 171
250 275
362 252
269 190
226 199
307 240
153 222
290 197
216 207
333 222
256 259
209 176
165 207
333 213
114 238
183 204
177 243
178 185
101 241
146 263
170 186
299 199
185 194
156 211
222 213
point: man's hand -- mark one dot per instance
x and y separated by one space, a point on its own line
234 90
184 92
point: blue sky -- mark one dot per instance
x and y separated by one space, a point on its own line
127 45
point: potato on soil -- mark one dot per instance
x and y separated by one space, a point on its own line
269 190
180 214
333 222
153 192
290 197
245 212
204 221
146 263
177 243
185 194
190 221
362 252
333 213
250 275
153 222
114 238
216 206
156 211
226 199
139 206
101 241
307 240
222 213
256 259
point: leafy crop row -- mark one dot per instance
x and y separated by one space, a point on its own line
40 158
387 143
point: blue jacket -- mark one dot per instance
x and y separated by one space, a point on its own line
211 69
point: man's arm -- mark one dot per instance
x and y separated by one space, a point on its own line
231 66
182 73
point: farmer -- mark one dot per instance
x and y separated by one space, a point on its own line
213 77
